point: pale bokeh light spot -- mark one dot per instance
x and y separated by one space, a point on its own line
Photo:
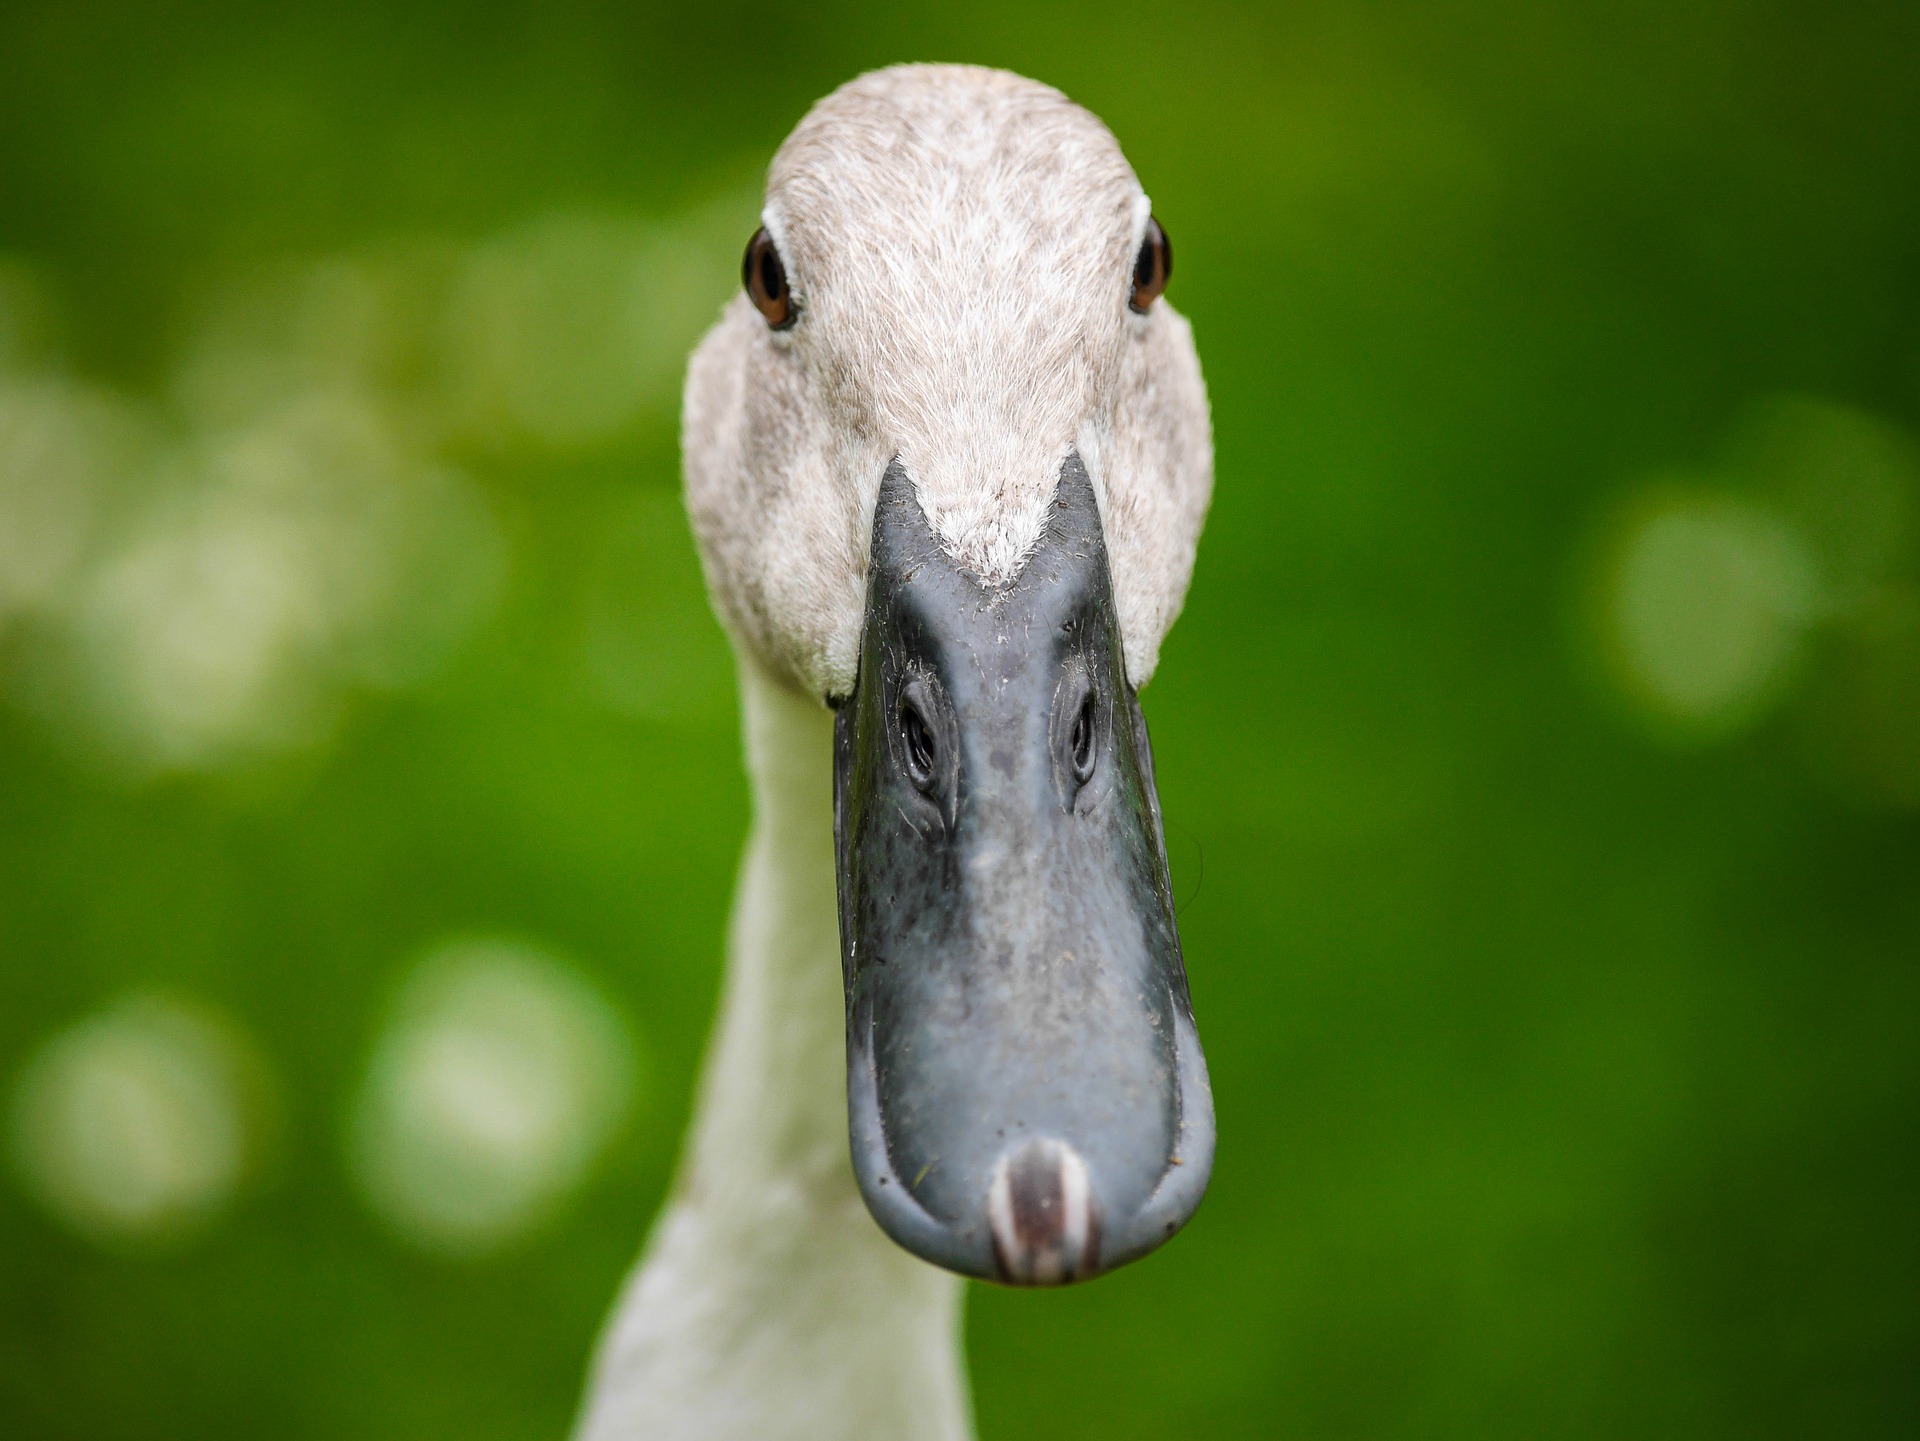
1844 479
1849 482
279 563
496 1084
192 631
64 448
1704 609
208 589
138 1123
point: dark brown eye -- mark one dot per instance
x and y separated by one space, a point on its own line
766 280
1151 267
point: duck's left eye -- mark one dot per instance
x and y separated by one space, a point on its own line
766 280
1151 267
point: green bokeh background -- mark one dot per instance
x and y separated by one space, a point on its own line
1567 1069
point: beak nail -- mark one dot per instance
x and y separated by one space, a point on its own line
1040 1208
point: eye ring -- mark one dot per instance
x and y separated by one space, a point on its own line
1152 268
765 280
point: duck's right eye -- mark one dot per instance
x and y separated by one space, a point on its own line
766 280
1151 267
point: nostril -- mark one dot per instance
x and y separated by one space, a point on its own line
916 743
1040 1209
1080 744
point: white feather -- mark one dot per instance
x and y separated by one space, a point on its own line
961 246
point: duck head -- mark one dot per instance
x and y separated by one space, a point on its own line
947 459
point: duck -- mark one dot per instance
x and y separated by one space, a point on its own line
947 458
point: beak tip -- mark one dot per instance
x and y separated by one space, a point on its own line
1043 1216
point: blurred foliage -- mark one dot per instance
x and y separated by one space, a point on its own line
1540 747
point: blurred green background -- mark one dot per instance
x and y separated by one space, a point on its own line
1540 747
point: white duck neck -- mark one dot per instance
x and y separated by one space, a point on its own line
768 1304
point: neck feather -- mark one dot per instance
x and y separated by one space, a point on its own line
768 1303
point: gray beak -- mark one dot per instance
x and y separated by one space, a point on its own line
1027 1098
